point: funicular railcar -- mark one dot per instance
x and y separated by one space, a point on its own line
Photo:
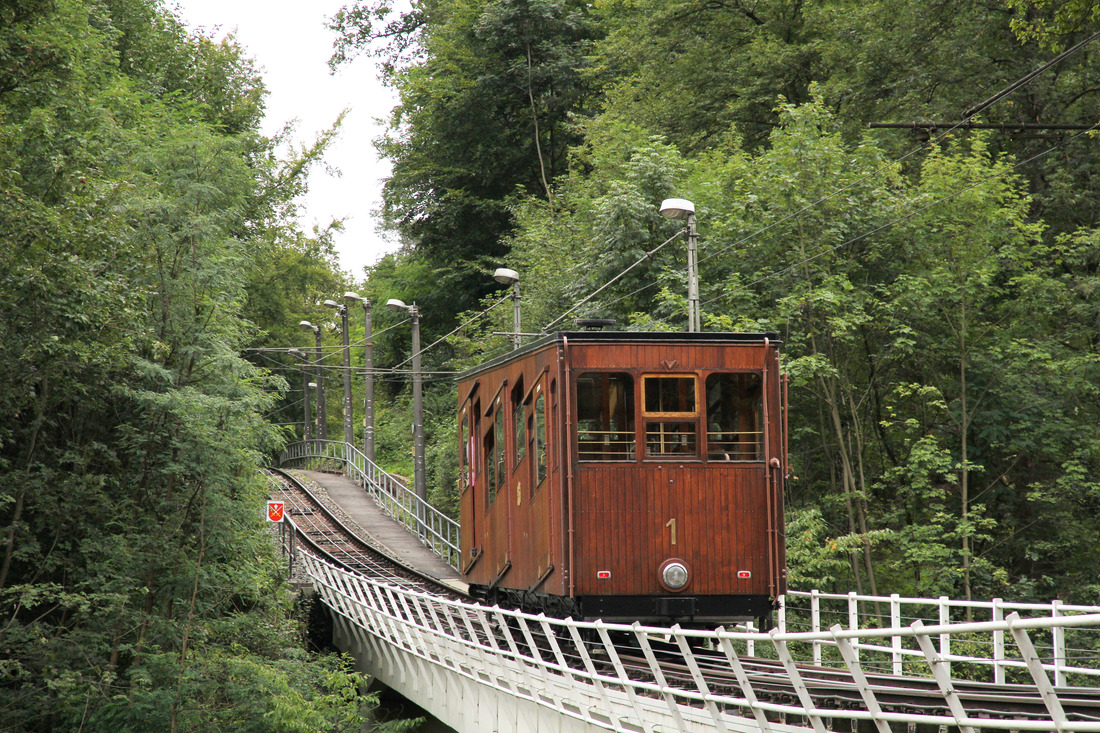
627 476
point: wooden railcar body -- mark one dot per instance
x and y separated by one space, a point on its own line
592 459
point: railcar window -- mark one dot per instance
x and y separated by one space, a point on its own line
519 437
671 416
670 395
540 440
671 439
605 417
489 453
498 456
734 424
466 449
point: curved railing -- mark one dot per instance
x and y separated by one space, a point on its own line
558 674
436 530
986 654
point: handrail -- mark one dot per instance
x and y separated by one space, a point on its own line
406 633
437 531
888 617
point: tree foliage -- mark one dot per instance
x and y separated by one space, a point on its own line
936 294
139 589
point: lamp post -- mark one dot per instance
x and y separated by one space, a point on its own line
343 311
420 486
307 413
682 209
511 277
322 417
368 387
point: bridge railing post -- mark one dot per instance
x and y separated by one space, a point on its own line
620 670
853 620
941 673
850 658
658 674
1038 674
815 623
945 638
811 711
1058 641
726 645
998 615
895 640
697 676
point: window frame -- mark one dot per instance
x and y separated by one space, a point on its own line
696 417
631 455
758 417
494 483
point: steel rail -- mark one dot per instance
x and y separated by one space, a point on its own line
437 531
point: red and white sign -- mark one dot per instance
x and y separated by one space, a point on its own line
603 574
744 573
275 511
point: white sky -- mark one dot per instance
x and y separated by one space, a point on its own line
291 45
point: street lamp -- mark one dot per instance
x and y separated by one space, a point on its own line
322 417
510 277
368 368
308 414
420 486
343 311
682 209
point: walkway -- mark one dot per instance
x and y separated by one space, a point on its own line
382 531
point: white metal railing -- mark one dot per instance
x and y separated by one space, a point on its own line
1063 651
436 530
576 671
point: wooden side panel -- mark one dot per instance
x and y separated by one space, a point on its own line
726 517
518 534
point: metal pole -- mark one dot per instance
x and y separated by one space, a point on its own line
305 401
368 390
420 485
694 319
516 330
322 416
349 434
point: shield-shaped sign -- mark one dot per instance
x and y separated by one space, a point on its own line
275 511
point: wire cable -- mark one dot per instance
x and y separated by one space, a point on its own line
609 283
911 214
1023 81
456 330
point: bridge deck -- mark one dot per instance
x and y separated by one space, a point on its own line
382 530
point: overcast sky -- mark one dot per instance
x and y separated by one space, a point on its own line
291 44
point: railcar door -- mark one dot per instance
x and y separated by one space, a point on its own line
534 470
469 427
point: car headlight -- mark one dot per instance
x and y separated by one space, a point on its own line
674 575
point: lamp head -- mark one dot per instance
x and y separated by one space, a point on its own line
331 304
352 296
677 208
505 276
396 305
306 325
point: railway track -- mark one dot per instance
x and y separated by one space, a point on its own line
834 689
326 536
829 688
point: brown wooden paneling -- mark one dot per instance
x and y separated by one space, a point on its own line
620 511
621 524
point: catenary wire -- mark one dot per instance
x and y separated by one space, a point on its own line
1023 81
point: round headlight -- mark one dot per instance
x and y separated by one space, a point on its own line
674 575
